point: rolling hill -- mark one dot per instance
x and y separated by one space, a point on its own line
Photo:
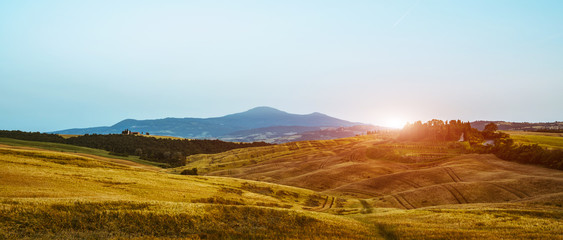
519 126
52 195
366 187
257 124
389 174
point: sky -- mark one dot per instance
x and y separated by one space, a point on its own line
73 64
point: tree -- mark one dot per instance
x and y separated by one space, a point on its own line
138 152
489 131
491 127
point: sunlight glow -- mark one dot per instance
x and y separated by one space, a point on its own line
394 122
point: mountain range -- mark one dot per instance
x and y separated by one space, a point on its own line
257 124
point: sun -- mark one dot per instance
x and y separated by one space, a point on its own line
395 122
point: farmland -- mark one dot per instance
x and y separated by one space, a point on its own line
543 139
365 187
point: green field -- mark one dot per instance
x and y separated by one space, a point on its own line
546 140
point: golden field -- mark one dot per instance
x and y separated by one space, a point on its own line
367 187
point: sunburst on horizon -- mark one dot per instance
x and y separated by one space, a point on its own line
394 122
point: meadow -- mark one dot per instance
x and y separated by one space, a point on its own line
74 149
46 194
365 187
545 140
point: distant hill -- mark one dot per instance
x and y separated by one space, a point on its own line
519 126
283 134
266 122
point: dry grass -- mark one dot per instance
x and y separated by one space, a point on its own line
470 222
55 175
249 156
392 174
84 151
59 195
123 219
357 188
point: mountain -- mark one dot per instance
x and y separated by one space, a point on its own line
258 120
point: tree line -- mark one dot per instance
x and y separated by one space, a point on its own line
453 130
506 149
170 151
32 136
503 146
548 130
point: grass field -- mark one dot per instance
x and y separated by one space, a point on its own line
387 173
73 149
546 140
67 196
240 157
364 187
468 222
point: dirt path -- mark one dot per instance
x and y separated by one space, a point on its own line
452 174
327 204
515 192
403 201
103 159
455 193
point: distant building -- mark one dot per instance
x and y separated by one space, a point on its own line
127 132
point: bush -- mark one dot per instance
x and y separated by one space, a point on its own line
192 171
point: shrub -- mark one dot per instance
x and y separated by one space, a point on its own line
192 171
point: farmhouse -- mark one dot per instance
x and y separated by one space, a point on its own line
127 132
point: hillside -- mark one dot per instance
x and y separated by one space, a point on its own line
221 127
519 126
47 194
67 196
162 151
543 139
389 174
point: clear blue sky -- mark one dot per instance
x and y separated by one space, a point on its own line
67 64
